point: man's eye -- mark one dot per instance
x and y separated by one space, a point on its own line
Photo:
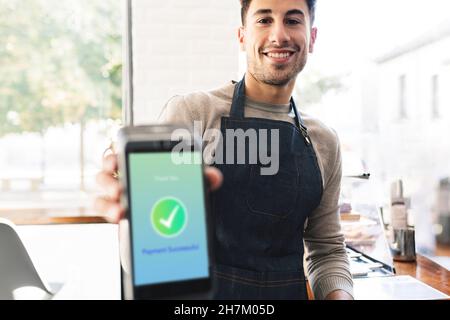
264 21
293 22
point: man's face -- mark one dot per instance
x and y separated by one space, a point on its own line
277 37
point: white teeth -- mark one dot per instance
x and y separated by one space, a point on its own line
279 55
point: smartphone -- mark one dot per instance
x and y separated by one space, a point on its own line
169 229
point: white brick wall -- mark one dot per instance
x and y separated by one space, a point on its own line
181 46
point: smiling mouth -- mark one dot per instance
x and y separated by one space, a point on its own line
279 55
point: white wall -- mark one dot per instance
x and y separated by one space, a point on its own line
181 46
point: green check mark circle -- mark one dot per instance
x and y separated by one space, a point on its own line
169 217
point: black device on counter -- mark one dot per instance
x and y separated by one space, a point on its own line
167 253
443 236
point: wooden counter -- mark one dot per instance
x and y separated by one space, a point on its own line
423 269
426 271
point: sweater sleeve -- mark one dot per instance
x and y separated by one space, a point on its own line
176 112
326 258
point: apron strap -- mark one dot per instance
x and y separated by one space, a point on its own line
298 119
238 104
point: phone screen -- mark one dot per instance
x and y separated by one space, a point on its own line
168 223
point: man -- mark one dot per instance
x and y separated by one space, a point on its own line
263 221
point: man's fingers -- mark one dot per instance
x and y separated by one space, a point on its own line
214 177
109 205
110 163
112 211
110 184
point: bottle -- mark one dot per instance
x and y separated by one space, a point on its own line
403 237
399 216
399 212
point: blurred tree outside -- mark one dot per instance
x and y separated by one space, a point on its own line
60 63
314 86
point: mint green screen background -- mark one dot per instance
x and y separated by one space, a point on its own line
157 259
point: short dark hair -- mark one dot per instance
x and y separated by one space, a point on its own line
245 4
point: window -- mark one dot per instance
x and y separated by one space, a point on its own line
435 97
388 80
60 102
402 113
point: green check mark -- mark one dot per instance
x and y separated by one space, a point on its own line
169 217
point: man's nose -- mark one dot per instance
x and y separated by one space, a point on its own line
279 35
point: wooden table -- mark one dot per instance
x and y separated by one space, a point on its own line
44 220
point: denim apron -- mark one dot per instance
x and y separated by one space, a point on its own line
259 219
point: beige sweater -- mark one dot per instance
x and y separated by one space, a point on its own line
326 259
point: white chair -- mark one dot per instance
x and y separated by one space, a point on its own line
18 274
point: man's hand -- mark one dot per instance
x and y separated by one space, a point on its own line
339 295
109 204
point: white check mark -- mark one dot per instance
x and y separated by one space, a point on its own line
168 222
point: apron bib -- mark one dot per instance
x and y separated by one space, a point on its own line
259 219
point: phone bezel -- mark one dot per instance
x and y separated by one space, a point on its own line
177 288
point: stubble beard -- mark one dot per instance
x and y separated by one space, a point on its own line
276 75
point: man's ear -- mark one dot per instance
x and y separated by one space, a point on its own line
312 40
241 38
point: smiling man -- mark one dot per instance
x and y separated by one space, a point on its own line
277 41
263 223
